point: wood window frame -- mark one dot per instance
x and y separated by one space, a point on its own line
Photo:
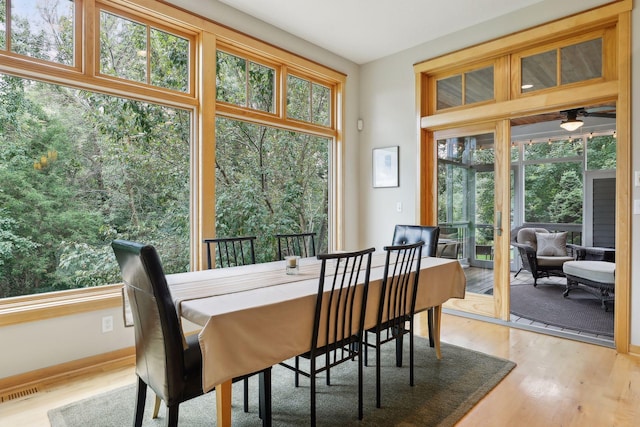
149 22
78 58
230 109
608 55
434 78
312 81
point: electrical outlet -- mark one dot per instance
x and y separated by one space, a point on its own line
107 324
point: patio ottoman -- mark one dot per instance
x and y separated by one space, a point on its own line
597 277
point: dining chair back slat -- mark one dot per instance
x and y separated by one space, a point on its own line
301 244
230 251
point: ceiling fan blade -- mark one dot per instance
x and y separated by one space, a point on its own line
603 115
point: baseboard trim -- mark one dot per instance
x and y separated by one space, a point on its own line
122 357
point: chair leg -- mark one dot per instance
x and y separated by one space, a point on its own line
366 352
430 326
265 397
328 371
360 369
399 340
156 408
411 351
246 394
378 372
312 387
172 415
142 396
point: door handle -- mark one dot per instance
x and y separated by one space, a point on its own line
498 226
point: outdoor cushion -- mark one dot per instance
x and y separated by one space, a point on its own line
527 236
596 271
553 261
551 244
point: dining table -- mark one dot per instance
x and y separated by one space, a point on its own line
255 316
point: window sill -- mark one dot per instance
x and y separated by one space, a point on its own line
36 307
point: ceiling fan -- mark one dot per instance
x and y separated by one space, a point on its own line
572 122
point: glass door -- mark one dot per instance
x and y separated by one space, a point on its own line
466 205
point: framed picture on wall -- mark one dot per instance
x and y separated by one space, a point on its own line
385 167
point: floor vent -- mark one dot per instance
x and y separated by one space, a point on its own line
18 394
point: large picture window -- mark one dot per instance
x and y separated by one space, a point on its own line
79 169
272 170
270 181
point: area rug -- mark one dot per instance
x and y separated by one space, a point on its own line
444 391
580 311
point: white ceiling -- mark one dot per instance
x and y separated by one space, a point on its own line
365 30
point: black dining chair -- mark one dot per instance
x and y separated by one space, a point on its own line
167 361
337 335
230 251
406 234
301 244
397 305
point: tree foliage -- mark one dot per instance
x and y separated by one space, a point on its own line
270 181
78 170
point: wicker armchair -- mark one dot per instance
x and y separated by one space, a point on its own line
538 260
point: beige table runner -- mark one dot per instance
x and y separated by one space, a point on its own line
220 281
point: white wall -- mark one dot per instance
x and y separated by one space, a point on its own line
34 345
387 106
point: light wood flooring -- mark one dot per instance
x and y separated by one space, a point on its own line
557 382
